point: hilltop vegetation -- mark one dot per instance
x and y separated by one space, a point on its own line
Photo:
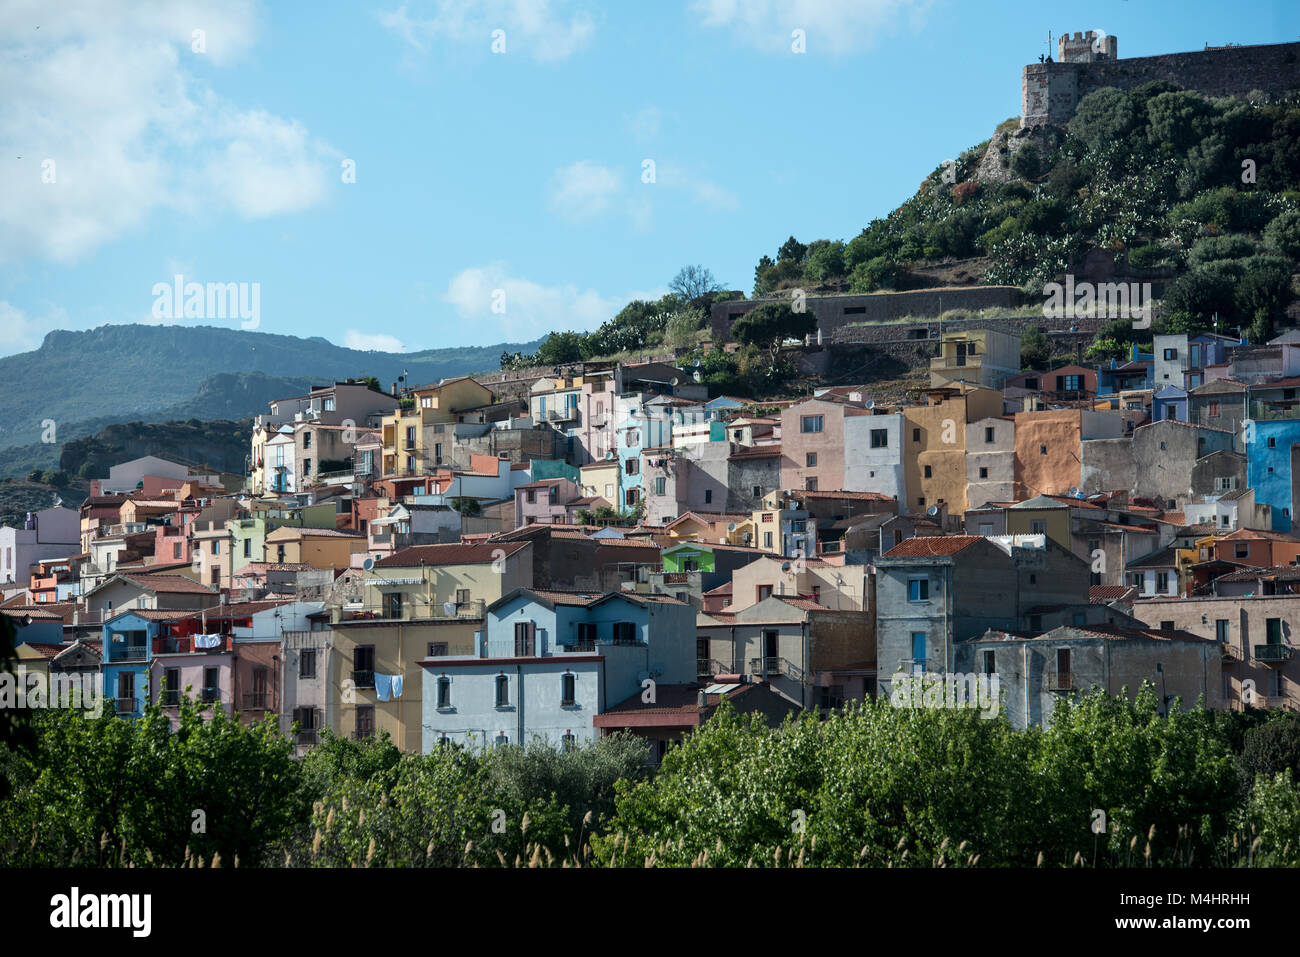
1159 174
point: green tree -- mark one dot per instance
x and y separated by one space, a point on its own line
1035 350
1282 235
770 324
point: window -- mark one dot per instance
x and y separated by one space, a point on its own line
811 423
632 496
920 500
437 649
176 550
306 440
1162 582
767 539
988 433
524 634
810 459
708 496
530 496
307 663
1042 450
633 467
462 596
633 438
660 484
990 662
444 693
586 636
929 473
248 548
918 589
171 690
918 652
568 689
1033 579
216 548
758 491
1171 353
365 721
1273 631
1069 383
1272 443
810 485
1038 526
211 687
1214 408
1166 626
1221 629
984 472
1241 550
503 691
363 666
624 633
393 605
880 438
916 435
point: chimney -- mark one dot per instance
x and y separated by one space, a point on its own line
701 700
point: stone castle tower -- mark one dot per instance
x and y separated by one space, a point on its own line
1050 92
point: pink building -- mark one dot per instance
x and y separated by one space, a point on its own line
549 501
596 431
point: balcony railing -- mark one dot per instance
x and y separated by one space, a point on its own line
125 705
256 700
170 699
1060 681
362 735
123 652
363 679
1272 654
708 667
307 737
408 610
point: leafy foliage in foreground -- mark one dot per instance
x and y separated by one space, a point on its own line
872 786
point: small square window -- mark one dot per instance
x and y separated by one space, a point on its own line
810 459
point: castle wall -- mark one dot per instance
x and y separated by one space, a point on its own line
1050 92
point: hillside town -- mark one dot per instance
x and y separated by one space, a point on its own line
608 548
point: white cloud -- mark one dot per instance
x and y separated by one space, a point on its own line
372 342
20 332
702 190
109 96
833 26
542 29
529 310
583 191
647 123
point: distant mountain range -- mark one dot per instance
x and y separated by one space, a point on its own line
84 381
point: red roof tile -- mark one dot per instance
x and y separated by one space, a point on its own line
924 546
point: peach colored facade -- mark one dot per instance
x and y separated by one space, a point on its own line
812 445
1049 448
934 445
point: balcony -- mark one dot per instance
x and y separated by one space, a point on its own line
125 705
407 611
210 696
128 652
775 668
1059 681
1226 651
363 679
568 414
1273 654
706 668
307 738
170 699
362 735
256 700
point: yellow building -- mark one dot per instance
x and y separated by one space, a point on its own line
1041 516
934 444
426 601
978 356
317 547
600 479
408 448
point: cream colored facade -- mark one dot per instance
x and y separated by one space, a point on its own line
407 445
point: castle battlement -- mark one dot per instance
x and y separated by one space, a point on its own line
1050 92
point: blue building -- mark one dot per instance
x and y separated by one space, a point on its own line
129 644
1169 403
1270 445
548 662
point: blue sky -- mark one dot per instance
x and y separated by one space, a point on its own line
517 173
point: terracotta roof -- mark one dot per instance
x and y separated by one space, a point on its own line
932 545
541 483
158 614
1117 633
1281 573
723 589
29 611
847 496
803 604
244 609
758 452
171 584
1105 594
1162 558
47 649
453 554
1259 533
671 700
559 597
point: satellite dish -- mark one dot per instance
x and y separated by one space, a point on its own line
785 566
932 510
368 564
609 456
1075 492
675 381
731 526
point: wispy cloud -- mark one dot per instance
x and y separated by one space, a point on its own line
546 30
20 332
104 108
583 191
833 26
517 308
373 342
